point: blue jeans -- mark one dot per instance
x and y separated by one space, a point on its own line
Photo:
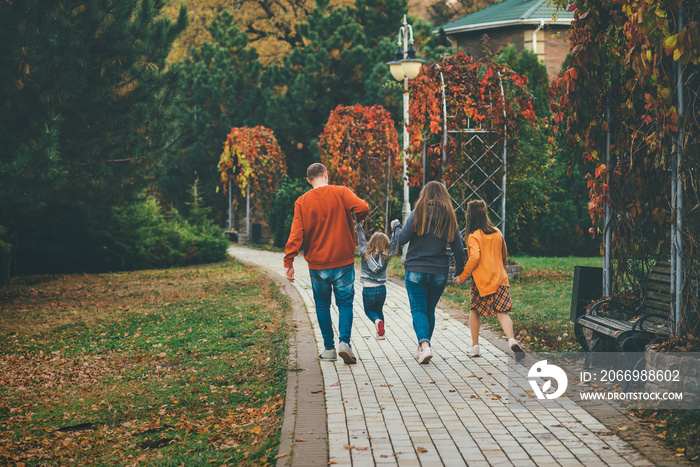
424 291
341 281
373 299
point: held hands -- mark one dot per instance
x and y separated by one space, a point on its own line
393 223
289 274
458 280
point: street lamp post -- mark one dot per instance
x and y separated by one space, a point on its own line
406 66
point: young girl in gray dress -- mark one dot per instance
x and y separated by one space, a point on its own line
375 256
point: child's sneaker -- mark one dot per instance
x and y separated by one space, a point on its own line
328 355
474 351
379 324
518 352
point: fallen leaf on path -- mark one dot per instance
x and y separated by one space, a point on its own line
280 456
363 448
348 447
421 449
300 440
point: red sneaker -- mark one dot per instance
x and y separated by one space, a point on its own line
380 328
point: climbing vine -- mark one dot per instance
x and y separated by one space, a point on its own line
621 82
473 99
359 147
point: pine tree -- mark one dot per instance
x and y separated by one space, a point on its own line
85 97
336 66
220 90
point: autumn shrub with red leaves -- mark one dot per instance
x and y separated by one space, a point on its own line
359 147
252 158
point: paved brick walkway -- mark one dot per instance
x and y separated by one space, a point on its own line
389 410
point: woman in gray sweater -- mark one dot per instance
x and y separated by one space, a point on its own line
375 256
429 228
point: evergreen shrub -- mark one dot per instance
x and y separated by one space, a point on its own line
142 236
282 209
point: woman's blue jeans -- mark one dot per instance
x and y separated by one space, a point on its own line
340 281
424 291
373 299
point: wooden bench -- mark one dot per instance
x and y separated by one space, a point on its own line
630 328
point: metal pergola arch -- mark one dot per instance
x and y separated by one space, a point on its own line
485 176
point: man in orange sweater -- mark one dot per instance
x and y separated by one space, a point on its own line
324 226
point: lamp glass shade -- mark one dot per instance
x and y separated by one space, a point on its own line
396 69
411 67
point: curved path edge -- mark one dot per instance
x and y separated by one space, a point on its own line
304 437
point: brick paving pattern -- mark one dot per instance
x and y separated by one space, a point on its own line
389 410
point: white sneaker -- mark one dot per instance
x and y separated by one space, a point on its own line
328 355
518 351
418 352
425 355
474 351
345 352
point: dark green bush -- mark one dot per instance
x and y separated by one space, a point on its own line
141 236
282 209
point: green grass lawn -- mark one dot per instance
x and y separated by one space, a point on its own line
182 366
541 302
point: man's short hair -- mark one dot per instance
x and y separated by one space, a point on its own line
315 170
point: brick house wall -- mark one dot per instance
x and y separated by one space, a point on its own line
552 43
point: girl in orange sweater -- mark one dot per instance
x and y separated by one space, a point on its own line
490 292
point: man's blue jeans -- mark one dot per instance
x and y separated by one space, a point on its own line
340 281
424 291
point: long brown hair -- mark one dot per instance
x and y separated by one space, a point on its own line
434 201
378 244
478 218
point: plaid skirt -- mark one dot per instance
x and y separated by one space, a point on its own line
499 302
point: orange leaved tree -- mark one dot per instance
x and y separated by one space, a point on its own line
359 146
253 162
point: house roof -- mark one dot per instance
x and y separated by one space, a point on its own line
508 13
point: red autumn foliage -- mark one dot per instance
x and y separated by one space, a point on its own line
359 146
